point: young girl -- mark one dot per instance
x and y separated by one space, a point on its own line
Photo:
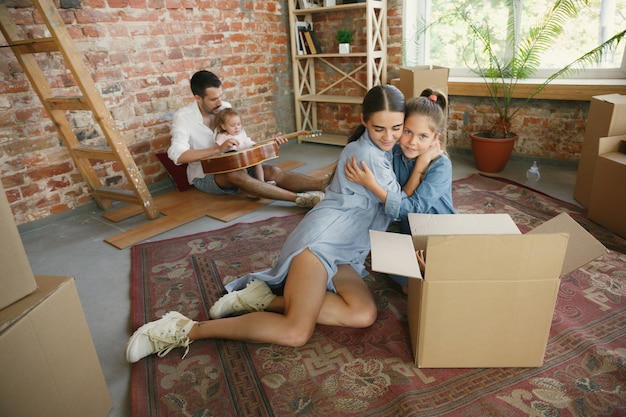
229 126
420 165
320 269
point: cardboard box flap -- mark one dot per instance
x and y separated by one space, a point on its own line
425 225
392 253
609 144
495 257
615 98
582 246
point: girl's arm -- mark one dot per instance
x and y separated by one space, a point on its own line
421 165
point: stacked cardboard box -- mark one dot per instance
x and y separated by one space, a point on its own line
488 292
607 203
607 117
414 80
48 360
17 279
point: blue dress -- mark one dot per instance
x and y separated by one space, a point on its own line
336 230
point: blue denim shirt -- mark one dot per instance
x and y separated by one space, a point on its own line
433 195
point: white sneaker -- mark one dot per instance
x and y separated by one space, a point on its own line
160 337
255 297
309 199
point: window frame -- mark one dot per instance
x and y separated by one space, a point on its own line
420 9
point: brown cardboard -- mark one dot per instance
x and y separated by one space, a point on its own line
413 80
582 247
607 117
17 279
607 204
489 292
48 360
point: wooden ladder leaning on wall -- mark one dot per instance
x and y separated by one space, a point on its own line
60 41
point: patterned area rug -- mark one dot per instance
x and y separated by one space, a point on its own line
370 372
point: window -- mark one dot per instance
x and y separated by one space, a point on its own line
445 46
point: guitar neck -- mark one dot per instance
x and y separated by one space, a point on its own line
296 134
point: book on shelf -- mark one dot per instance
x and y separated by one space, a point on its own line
316 42
309 4
306 50
308 42
300 26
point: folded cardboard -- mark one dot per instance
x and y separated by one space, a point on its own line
488 292
607 204
17 279
48 360
607 117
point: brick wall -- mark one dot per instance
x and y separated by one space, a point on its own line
142 53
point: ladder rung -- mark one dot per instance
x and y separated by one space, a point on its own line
35 45
68 103
94 152
108 193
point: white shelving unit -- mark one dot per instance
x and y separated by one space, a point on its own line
310 92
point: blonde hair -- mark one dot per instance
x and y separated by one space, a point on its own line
223 116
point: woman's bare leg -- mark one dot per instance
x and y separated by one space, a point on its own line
305 292
352 306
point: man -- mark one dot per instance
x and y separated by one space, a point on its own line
193 138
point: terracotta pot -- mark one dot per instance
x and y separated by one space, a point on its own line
491 155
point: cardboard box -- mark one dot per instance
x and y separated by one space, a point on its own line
413 80
17 279
488 292
607 117
48 360
607 204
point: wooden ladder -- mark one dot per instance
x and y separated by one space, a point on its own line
24 49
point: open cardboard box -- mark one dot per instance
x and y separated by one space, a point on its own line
488 292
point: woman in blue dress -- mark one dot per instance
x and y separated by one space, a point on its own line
320 268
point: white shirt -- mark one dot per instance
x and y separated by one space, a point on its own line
190 132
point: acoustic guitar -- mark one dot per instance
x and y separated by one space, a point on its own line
244 158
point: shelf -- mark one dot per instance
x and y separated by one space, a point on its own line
334 55
371 55
337 8
320 98
325 79
326 139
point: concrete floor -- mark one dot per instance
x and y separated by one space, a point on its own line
72 244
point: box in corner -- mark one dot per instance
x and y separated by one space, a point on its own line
17 279
607 204
488 292
48 360
607 117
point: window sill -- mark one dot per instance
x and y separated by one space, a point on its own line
578 90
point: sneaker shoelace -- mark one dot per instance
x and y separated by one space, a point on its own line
164 344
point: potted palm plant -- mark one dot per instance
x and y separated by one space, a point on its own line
502 74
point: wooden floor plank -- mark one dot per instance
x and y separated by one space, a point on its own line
178 208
